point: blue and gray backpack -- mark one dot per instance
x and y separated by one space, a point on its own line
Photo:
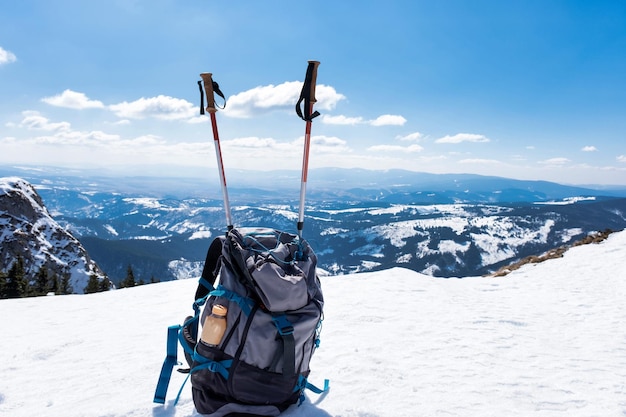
267 280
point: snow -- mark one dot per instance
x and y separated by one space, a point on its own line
566 201
546 340
200 234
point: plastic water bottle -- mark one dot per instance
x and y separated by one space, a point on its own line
214 326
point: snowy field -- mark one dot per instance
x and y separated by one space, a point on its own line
546 340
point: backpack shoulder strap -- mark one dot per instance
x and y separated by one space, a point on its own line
211 268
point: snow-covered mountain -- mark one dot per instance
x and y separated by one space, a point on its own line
27 230
356 220
168 237
545 340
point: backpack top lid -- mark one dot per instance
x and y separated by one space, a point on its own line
279 267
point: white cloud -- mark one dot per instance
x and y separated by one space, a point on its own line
621 158
75 137
263 99
328 144
6 57
35 121
327 97
415 136
160 107
384 120
479 161
387 120
341 120
73 100
396 148
589 149
255 148
250 142
462 137
555 162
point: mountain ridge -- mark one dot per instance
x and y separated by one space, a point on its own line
351 230
321 181
28 232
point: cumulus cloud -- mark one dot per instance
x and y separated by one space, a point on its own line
35 121
160 107
328 144
396 148
75 137
384 120
415 136
479 161
61 133
387 120
322 145
341 120
250 142
73 100
463 137
589 149
621 158
263 99
6 57
555 162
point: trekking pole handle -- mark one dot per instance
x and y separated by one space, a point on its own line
207 78
313 65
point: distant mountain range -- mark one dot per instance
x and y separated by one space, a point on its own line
356 220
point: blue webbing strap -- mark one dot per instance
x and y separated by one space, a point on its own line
206 284
171 360
220 367
304 384
245 304
180 391
315 389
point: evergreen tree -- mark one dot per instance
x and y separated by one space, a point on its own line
3 284
104 284
92 285
16 285
65 287
42 282
54 284
129 281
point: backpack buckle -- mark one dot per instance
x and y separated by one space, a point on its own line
283 325
285 331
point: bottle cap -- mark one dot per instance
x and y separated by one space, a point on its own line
219 310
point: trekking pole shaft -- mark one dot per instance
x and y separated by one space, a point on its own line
220 167
305 171
312 75
207 79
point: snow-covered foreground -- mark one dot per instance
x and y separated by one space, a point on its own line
546 340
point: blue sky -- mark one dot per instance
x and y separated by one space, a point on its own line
521 89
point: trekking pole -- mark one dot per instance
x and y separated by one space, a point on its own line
308 96
211 87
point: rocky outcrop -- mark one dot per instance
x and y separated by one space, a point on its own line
28 230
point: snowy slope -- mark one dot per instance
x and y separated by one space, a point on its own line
548 339
28 230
